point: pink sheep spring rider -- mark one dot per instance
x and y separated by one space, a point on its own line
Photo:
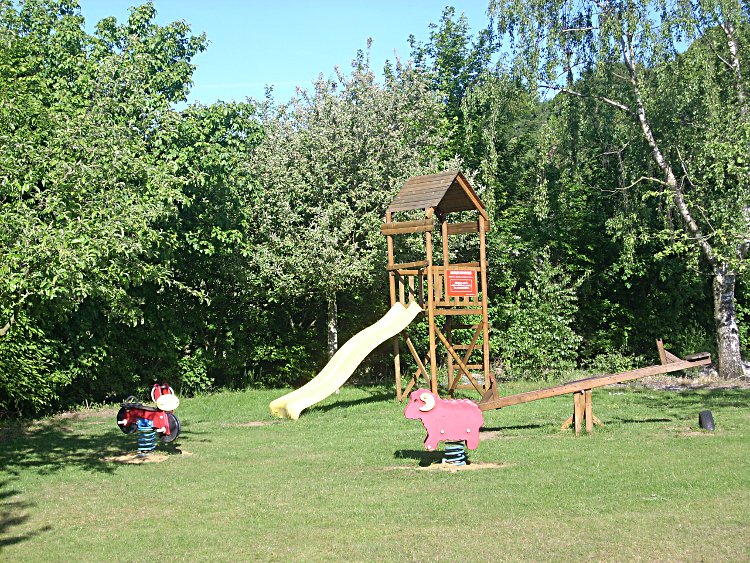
453 421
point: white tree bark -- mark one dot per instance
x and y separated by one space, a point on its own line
730 365
333 326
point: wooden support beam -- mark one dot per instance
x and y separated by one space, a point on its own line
406 227
407 265
458 311
588 409
420 366
460 364
463 228
577 411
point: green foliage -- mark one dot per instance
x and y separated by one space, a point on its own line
193 374
83 192
28 378
539 338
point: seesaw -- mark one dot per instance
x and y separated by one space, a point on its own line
582 388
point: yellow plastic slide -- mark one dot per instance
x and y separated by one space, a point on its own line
344 362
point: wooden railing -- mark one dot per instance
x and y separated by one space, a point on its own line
440 287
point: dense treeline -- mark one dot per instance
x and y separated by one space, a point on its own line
236 244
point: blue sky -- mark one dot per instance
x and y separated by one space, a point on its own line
287 43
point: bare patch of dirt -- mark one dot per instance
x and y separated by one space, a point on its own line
689 432
490 434
134 458
88 413
703 381
473 466
250 424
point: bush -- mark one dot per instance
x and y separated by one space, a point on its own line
539 338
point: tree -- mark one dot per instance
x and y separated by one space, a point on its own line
686 110
330 163
81 189
455 62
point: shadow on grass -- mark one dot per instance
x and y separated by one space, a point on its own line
530 426
625 420
424 457
377 397
693 399
14 513
48 446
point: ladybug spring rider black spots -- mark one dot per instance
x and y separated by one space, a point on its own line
150 421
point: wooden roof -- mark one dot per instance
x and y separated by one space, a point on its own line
446 192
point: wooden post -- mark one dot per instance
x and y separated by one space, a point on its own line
449 358
392 285
485 314
431 306
578 410
588 413
446 250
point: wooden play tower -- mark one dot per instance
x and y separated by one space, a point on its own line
453 295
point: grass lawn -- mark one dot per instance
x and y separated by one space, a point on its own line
348 482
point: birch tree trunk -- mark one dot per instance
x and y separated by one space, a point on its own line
333 326
727 333
729 362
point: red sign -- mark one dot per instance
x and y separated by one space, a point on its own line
461 283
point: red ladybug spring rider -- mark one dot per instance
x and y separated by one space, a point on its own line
150 421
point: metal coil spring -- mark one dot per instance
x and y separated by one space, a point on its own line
455 453
146 436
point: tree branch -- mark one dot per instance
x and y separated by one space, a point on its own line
671 181
602 99
734 64
6 328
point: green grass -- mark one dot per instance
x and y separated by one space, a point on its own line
344 483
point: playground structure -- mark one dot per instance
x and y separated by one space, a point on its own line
449 291
344 362
446 290
456 293
149 421
582 389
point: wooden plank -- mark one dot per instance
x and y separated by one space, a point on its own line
588 413
407 265
577 411
463 228
444 235
464 183
469 267
397 367
590 383
445 177
662 354
483 286
405 227
423 203
458 311
671 357
420 365
471 346
697 356
431 307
